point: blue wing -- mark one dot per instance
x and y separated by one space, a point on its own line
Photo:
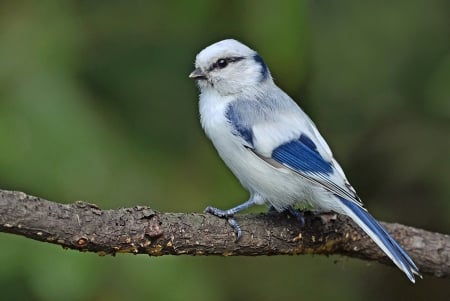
235 114
303 157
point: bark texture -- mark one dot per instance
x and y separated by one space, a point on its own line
142 230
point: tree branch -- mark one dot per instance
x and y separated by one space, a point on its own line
141 230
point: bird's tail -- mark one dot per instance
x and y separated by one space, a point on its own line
381 237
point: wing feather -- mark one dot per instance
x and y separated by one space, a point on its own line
280 133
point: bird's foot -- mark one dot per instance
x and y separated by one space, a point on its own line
272 209
297 214
229 216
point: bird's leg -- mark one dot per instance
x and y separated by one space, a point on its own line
291 211
297 214
272 209
229 215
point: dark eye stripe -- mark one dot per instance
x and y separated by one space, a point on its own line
227 61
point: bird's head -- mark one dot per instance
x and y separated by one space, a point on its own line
229 67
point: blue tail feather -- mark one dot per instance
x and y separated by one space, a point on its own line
397 254
400 249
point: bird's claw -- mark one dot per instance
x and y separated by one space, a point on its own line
227 215
237 229
297 214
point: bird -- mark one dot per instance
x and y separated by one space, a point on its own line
272 146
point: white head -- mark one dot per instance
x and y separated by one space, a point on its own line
229 67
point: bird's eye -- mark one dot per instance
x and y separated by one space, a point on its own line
222 63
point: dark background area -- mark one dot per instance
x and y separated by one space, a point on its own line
96 105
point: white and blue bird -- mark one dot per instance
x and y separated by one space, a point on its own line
273 147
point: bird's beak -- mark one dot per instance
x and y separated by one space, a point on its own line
197 74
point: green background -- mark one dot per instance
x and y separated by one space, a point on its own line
95 105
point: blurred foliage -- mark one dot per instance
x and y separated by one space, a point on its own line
95 104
